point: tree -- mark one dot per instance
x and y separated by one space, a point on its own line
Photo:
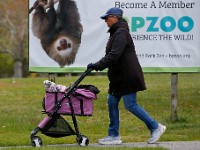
14 32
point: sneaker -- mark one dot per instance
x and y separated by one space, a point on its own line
156 134
110 140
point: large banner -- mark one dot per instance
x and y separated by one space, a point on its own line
166 34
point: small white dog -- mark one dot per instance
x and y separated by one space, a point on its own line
52 87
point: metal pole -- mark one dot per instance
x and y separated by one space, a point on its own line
174 96
52 77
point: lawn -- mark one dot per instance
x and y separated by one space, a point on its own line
21 106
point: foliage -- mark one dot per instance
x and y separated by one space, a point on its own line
6 65
14 31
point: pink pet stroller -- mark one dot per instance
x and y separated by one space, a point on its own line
77 100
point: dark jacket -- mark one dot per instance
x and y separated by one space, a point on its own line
124 71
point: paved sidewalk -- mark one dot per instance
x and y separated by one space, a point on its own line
187 145
192 145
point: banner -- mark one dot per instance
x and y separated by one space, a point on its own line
166 34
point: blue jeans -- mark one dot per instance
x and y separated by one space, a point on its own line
130 103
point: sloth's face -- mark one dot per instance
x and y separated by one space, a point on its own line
63 45
63 50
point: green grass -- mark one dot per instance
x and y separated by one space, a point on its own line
20 107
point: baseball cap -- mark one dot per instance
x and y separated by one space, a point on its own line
113 11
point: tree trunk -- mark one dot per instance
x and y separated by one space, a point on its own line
17 69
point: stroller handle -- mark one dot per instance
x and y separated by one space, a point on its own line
75 84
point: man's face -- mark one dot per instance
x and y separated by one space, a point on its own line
110 20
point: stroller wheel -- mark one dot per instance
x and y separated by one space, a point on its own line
36 141
82 140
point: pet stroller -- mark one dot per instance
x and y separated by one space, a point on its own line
77 100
